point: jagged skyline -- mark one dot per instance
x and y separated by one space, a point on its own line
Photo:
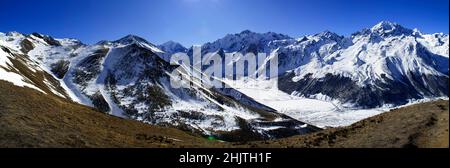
199 21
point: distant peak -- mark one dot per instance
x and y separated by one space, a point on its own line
14 33
246 32
129 39
132 37
170 43
37 34
133 40
48 39
249 33
417 32
385 25
386 28
329 35
40 35
104 42
172 47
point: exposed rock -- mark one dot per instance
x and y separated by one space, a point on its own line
60 68
99 102
26 46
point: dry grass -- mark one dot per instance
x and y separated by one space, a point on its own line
418 126
31 119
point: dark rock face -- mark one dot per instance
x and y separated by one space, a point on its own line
49 40
26 46
404 85
60 68
89 68
346 90
99 102
140 63
139 71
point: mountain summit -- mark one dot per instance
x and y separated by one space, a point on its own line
386 28
129 39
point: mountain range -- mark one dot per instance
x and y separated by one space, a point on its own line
323 80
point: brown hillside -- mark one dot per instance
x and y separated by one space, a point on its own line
29 118
422 125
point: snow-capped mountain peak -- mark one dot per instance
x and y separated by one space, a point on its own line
129 39
268 35
328 35
15 34
386 28
386 25
133 39
172 47
245 41
45 39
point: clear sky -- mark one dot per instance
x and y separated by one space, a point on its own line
199 21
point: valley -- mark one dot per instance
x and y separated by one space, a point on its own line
29 118
329 91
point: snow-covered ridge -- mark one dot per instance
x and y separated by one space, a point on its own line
388 64
244 42
133 39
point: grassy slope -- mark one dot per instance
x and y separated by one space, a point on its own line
423 125
31 119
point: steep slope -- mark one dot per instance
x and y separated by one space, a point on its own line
385 65
18 69
29 118
243 42
40 59
362 75
128 78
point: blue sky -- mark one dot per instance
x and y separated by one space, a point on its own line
199 21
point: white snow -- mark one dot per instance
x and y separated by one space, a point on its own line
52 88
321 113
7 75
437 43
203 103
11 40
114 108
16 79
359 57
